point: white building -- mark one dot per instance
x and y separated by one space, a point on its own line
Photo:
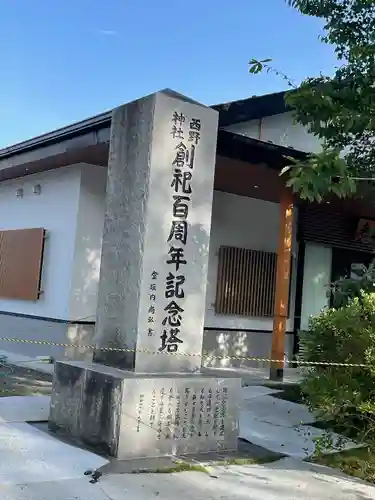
57 182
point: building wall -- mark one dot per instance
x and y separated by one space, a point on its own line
246 223
35 328
280 130
88 244
316 278
71 209
55 209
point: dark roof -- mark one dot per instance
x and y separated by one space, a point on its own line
96 122
229 144
251 109
243 148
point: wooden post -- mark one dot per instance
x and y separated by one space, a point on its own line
282 285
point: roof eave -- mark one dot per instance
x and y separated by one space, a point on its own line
94 123
248 149
253 108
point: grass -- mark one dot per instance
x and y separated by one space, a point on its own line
349 432
182 466
247 461
359 462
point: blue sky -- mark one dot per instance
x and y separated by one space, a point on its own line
64 60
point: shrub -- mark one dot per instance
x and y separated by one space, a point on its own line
343 395
347 288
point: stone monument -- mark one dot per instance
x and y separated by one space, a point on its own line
144 395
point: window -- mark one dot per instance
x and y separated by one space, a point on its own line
246 282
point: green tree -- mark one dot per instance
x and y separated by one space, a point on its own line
339 109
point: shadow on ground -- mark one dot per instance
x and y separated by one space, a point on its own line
15 381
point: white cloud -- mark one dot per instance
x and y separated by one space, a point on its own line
107 32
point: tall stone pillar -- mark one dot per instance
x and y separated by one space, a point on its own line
144 395
156 234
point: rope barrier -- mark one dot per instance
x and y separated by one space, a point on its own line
203 355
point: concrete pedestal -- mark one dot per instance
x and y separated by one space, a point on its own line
128 415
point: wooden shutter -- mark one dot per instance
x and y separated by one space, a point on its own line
21 254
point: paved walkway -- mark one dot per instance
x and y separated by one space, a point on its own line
36 466
255 376
278 425
286 479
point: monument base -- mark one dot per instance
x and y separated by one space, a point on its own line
130 415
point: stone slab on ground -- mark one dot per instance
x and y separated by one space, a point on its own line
73 489
297 442
278 411
255 391
28 362
28 455
286 479
24 408
246 452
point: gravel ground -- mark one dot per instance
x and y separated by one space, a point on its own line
15 381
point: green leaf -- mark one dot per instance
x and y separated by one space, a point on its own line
286 169
257 68
335 189
340 108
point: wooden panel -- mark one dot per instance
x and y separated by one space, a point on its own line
317 224
248 179
282 285
21 253
246 282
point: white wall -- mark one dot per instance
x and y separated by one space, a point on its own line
246 223
88 243
71 209
55 209
316 277
280 130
